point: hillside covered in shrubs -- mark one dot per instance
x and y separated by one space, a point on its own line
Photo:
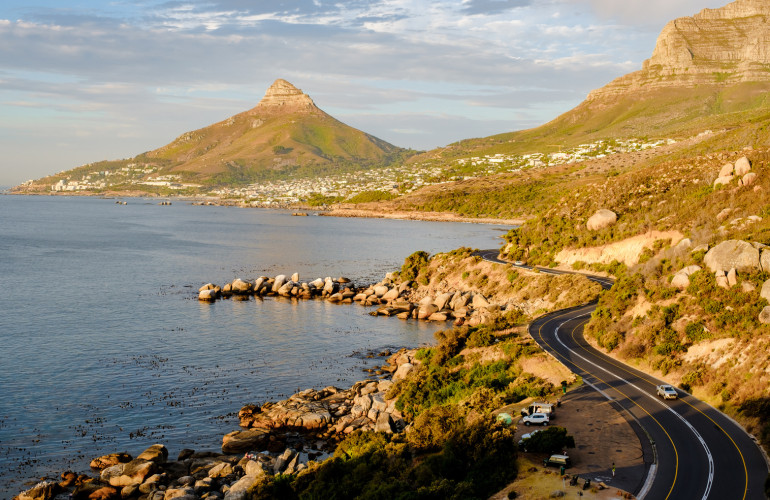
675 309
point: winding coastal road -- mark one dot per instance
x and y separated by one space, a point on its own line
699 453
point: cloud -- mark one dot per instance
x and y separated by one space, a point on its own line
651 14
151 70
493 6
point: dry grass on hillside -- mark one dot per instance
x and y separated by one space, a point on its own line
531 292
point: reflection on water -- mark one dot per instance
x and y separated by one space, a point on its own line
107 349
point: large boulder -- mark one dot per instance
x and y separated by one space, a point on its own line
243 441
764 260
765 292
283 460
601 219
109 460
681 279
384 423
222 469
443 300
727 169
46 490
764 316
278 283
157 453
402 372
208 295
479 301
391 294
240 489
425 311
723 180
241 286
737 254
134 473
749 179
742 166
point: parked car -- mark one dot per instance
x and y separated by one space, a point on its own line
524 437
667 392
558 461
536 419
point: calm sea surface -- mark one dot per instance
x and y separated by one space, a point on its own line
106 348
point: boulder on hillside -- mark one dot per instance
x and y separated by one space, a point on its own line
742 166
723 180
764 260
721 279
727 169
764 316
749 179
681 279
601 219
765 292
730 254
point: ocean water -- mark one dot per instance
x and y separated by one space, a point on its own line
106 348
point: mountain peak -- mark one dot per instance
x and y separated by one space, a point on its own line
282 96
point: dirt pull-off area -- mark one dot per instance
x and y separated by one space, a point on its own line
603 437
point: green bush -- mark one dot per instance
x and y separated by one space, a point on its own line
472 462
414 264
551 440
371 196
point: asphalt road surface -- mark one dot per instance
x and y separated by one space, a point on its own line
700 453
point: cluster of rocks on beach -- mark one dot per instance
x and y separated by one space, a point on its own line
393 298
275 438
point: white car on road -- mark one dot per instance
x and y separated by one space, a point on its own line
666 391
536 419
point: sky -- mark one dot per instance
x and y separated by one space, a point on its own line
89 80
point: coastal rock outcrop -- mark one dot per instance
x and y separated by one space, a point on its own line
243 441
105 461
45 490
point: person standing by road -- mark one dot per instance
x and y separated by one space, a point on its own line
613 469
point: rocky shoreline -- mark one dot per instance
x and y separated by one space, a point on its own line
275 438
394 298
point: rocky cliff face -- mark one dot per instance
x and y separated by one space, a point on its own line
716 46
283 97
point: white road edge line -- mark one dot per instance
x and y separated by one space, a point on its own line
654 398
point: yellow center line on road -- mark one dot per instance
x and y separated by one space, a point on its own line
676 452
645 377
